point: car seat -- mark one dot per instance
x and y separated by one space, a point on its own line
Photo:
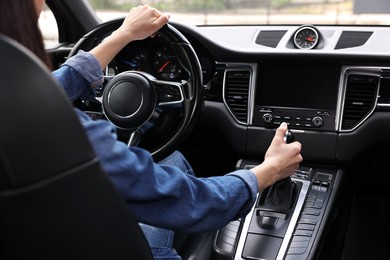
55 200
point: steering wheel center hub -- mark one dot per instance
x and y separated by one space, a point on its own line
129 100
119 103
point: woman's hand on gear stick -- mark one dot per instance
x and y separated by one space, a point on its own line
280 161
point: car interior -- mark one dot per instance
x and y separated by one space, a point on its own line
222 92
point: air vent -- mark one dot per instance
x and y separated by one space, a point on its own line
270 38
360 98
236 93
349 39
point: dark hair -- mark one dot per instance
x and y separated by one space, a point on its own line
19 21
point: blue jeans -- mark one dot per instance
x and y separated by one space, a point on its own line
160 239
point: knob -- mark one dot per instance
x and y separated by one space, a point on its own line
289 137
317 121
267 118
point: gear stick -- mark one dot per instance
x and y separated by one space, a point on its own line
281 195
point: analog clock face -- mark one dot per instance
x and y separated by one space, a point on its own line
306 38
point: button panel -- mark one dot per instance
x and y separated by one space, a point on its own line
310 217
295 118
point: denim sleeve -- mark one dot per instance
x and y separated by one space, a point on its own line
79 76
164 195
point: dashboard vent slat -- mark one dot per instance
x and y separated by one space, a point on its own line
270 38
359 100
349 39
236 93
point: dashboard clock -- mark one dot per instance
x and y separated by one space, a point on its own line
306 37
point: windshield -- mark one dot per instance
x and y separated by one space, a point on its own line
231 12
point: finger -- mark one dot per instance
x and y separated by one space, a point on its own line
281 130
162 19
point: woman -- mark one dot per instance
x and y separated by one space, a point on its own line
189 204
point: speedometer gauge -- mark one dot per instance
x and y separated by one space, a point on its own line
306 37
166 63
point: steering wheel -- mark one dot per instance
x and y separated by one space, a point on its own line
144 107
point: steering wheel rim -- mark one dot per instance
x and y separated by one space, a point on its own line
190 90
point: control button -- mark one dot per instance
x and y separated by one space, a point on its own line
323 189
296 250
309 204
299 244
311 197
305 227
267 118
315 187
317 121
318 204
306 233
300 239
307 220
325 183
311 211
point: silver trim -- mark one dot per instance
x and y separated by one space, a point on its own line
346 71
252 68
294 219
383 105
306 27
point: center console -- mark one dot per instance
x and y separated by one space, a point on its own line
282 233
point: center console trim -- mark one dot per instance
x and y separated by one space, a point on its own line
294 219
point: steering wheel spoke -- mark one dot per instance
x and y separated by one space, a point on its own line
170 94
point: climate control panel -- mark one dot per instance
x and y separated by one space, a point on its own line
296 118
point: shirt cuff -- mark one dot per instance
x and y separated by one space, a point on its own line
87 65
250 180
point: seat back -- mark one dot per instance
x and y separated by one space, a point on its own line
55 200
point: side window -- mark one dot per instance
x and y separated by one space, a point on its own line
48 26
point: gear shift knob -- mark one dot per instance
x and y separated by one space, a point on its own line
289 137
281 195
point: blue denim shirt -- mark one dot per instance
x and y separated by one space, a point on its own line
158 194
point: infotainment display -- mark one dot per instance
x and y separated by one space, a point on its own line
299 86
303 95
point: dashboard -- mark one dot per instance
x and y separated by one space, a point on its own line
329 83
334 94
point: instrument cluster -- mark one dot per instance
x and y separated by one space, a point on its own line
157 57
154 56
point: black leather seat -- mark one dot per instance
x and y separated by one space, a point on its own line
55 200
